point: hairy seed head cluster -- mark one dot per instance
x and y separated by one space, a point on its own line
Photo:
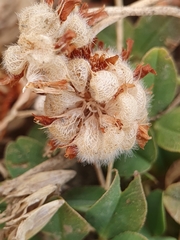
95 105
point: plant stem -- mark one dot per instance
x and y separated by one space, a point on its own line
100 175
122 12
144 3
102 238
174 104
26 113
116 13
109 175
12 114
119 28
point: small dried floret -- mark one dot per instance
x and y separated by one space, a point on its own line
142 98
14 60
112 139
79 73
66 127
58 104
89 140
124 107
130 137
78 24
39 19
124 72
103 86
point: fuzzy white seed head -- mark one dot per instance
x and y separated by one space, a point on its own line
125 108
79 73
89 141
14 60
103 86
43 69
79 25
129 140
56 68
55 105
123 71
94 105
34 74
65 128
110 148
142 99
39 19
30 42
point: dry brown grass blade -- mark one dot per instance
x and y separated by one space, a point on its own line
33 183
27 195
35 220
31 202
51 164
23 98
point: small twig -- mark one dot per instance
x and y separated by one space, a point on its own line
100 175
123 12
109 175
144 3
3 170
119 28
26 113
174 104
23 98
116 13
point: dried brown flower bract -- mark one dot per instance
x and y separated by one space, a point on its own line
49 2
47 87
71 152
100 62
10 95
142 70
86 50
142 135
11 79
123 88
126 52
64 43
43 120
52 144
93 17
66 7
